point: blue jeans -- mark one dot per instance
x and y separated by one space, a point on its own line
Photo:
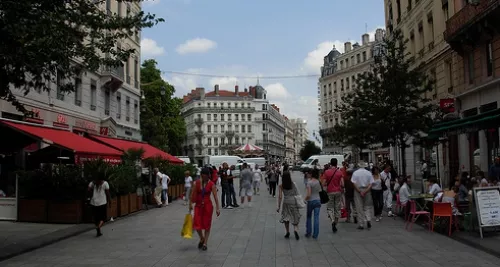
313 205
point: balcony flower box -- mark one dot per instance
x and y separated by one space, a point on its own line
32 210
123 205
65 211
132 202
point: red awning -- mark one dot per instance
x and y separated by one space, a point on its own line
81 146
149 150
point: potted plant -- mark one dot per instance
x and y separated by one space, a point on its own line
67 189
122 183
32 205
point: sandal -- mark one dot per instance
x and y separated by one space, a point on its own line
204 247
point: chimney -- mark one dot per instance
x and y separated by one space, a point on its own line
379 35
201 92
236 91
253 92
347 47
216 89
246 90
365 39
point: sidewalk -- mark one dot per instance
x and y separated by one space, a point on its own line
488 244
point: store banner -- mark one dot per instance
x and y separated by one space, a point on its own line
82 158
447 105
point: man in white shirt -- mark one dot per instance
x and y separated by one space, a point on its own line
257 177
385 175
362 180
158 189
165 180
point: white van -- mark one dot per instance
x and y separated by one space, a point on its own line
218 160
259 161
321 160
185 159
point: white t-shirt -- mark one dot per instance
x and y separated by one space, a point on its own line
362 178
187 181
404 194
99 196
386 176
257 175
159 177
435 188
164 181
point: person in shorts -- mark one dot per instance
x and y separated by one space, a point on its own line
246 178
257 177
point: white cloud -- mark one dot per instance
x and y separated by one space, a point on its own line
150 2
197 45
276 91
149 48
314 59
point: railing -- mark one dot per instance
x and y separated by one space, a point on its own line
117 72
466 17
198 121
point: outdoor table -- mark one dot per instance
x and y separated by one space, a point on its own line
418 199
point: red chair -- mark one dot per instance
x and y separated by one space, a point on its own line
414 214
442 210
399 206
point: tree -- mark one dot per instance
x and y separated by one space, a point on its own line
310 148
388 105
161 122
45 39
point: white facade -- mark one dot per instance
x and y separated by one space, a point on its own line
338 77
289 142
300 135
105 102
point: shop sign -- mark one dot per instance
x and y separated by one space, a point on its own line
82 158
86 125
104 131
61 119
36 113
447 105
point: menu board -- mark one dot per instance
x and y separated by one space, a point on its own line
488 206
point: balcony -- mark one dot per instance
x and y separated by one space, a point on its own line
472 21
230 134
199 147
199 134
198 121
112 77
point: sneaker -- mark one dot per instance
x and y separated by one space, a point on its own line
235 205
377 219
229 207
389 214
368 225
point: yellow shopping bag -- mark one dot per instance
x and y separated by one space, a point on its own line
187 228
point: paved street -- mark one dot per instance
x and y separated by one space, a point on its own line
253 237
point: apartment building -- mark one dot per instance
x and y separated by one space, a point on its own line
273 134
423 23
470 136
300 134
338 77
289 141
104 102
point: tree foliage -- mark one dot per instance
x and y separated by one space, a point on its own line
161 122
388 105
45 38
310 148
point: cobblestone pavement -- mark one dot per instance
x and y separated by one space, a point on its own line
253 237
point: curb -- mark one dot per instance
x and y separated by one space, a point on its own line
476 245
51 238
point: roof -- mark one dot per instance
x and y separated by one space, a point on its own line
149 150
226 93
63 138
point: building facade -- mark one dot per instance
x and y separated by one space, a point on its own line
104 102
289 141
338 77
300 134
273 134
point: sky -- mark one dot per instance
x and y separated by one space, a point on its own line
241 40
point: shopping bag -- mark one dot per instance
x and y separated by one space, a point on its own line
343 213
187 228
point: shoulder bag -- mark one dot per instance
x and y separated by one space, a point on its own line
323 195
298 198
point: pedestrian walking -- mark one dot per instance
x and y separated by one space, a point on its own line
188 182
203 207
165 180
377 193
290 210
313 203
159 187
273 181
99 200
246 190
334 183
362 180
257 178
350 205
386 178
228 194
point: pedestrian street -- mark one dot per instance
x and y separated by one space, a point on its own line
253 236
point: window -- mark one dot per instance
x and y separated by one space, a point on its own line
108 7
127 108
78 91
489 59
209 117
127 69
59 84
221 117
136 74
263 127
347 83
237 128
120 7
216 141
352 61
222 139
209 140
243 129
334 87
409 5
358 58
249 117
449 75
263 116
209 128
422 38
264 107
93 94
398 7
434 80
242 117
118 105
209 151
136 111
342 85
470 67
216 128
222 128
236 118
236 105
215 117
347 63
107 100
353 81
249 128
445 13
430 22
364 56
229 117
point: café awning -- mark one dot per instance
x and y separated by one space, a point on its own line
149 150
82 147
481 121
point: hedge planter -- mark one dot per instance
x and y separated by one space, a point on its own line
113 210
32 210
132 202
65 211
139 202
123 205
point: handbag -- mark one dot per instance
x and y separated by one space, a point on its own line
298 198
323 195
187 227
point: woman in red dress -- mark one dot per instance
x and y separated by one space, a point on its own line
203 209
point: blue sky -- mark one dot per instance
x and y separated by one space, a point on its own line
240 40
